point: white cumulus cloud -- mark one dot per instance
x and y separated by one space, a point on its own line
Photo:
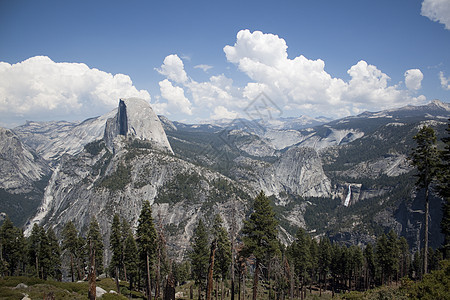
173 68
37 87
445 82
413 79
303 84
437 10
175 97
205 68
221 112
205 96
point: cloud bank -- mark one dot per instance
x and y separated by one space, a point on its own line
39 87
298 84
437 11
445 82
413 79
304 84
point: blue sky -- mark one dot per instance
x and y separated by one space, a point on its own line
200 60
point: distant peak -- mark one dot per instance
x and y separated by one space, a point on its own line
135 118
440 104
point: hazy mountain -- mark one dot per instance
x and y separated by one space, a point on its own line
194 171
23 176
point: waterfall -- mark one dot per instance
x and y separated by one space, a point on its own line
349 195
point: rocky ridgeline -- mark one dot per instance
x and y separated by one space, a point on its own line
112 163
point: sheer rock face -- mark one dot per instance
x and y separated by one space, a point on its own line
299 172
20 166
52 140
103 184
135 118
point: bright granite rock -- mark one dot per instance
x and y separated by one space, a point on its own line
53 139
19 165
135 118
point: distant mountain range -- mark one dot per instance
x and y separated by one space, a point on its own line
308 167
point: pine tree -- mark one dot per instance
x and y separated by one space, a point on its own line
116 245
34 248
404 256
314 261
223 252
369 265
70 244
95 240
382 258
146 240
44 254
357 261
301 256
199 255
130 258
260 234
324 260
444 191
55 255
393 254
13 247
425 157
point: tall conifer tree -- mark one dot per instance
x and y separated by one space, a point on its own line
200 256
146 240
94 237
425 157
260 234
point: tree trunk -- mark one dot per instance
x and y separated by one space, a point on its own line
148 287
125 271
320 286
268 277
71 267
37 266
117 280
244 281
291 292
239 287
301 288
255 279
425 252
158 268
169 293
209 284
191 292
92 293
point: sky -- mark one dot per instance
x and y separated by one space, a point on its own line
197 61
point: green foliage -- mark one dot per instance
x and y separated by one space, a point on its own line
181 271
444 191
95 147
116 244
44 253
54 255
13 247
425 157
183 187
260 231
223 252
435 285
95 241
300 254
146 239
130 253
200 253
119 179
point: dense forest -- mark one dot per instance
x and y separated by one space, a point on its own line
224 263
